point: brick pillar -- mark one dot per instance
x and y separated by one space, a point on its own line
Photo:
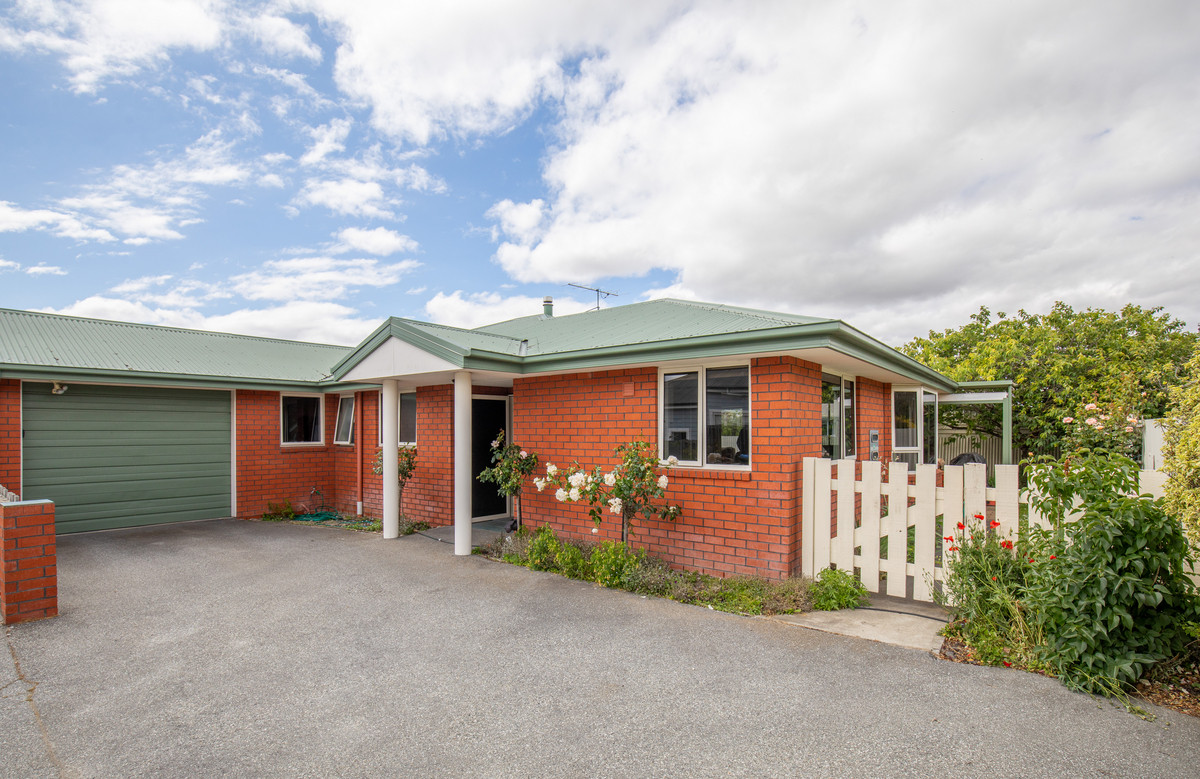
28 561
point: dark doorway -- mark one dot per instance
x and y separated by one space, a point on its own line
488 417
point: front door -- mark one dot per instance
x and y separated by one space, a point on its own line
488 417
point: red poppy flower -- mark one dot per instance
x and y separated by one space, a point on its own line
1006 544
1052 557
979 517
995 523
954 549
961 526
1007 664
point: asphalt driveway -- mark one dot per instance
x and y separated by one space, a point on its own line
232 648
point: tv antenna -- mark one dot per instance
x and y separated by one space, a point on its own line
598 292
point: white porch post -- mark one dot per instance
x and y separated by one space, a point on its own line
462 463
391 443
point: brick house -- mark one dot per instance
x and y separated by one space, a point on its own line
123 424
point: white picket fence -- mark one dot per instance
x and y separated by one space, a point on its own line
886 509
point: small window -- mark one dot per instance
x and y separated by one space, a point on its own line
914 426
344 429
301 419
837 417
407 419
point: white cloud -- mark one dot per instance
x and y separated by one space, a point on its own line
311 278
9 265
281 36
460 309
301 320
45 270
349 197
99 40
327 138
379 241
886 166
463 68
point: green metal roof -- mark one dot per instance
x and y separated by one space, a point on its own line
639 323
37 345
653 331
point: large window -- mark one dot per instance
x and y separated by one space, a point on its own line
407 418
706 416
343 431
301 419
837 417
914 426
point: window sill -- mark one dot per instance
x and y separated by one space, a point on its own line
699 472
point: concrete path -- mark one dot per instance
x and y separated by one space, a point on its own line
252 649
892 621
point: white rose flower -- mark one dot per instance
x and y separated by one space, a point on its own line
540 484
524 454
574 493
672 460
495 443
662 482
550 469
577 479
560 494
610 479
615 506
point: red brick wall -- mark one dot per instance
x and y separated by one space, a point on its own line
873 407
10 434
268 471
734 521
429 495
28 562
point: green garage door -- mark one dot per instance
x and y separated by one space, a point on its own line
124 456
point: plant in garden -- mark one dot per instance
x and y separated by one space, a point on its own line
1181 452
406 465
635 487
984 586
1109 591
1099 427
835 589
511 466
279 512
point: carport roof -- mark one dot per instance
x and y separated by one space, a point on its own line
35 345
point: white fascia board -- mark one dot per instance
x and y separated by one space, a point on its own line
973 397
395 358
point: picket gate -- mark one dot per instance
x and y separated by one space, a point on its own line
861 512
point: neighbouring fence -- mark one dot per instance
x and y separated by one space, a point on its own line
876 524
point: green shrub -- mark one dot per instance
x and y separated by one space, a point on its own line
542 552
614 564
572 562
834 590
1112 594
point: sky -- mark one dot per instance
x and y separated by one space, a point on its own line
305 169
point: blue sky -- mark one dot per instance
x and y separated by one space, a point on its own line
305 169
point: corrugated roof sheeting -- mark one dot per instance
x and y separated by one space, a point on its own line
50 340
637 323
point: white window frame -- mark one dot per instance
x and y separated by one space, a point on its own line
320 419
399 417
919 449
337 424
844 377
701 413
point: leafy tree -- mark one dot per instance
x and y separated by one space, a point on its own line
1059 362
406 466
1181 452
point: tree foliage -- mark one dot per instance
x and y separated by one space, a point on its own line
1181 452
1059 362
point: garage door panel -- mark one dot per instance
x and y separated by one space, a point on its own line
122 457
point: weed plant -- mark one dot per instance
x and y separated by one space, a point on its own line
835 590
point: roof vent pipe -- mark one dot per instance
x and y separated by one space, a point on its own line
548 306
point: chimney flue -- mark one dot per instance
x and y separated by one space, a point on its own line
548 306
